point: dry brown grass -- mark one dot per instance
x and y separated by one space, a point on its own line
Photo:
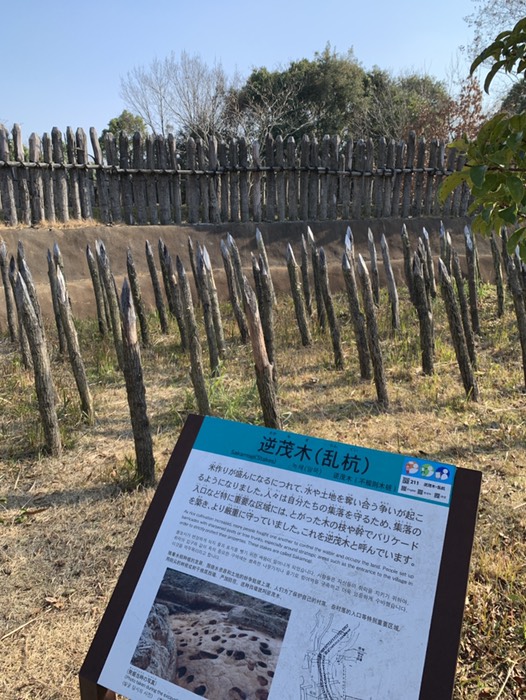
67 524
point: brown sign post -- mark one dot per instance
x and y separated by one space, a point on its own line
349 566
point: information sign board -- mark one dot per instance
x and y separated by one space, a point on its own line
278 565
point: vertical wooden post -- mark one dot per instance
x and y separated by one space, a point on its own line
25 352
175 181
196 355
334 326
497 267
102 179
8 294
44 387
151 181
213 182
457 333
305 283
6 181
358 181
110 148
75 357
52 275
256 182
24 203
357 317
264 373
48 179
222 154
163 180
208 320
159 302
136 393
234 180
36 187
520 309
372 334
314 179
464 308
304 177
320 308
111 295
137 298
260 243
425 318
126 179
29 283
280 179
408 175
375 280
86 205
292 181
408 269
430 265
391 285
61 179
98 292
202 180
214 303
74 191
139 180
472 279
236 263
270 179
298 299
243 180
233 292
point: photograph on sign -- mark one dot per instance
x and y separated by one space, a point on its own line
200 630
286 566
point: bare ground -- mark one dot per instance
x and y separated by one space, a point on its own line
67 524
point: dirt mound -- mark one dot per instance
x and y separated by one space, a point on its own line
117 239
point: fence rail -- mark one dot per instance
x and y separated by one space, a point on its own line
153 180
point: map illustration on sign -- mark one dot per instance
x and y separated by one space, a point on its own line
332 661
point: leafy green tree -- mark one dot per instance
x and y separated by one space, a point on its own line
515 100
495 166
126 123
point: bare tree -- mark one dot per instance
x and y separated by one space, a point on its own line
179 93
489 18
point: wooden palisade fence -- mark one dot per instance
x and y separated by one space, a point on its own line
153 180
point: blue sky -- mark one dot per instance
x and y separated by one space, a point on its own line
63 59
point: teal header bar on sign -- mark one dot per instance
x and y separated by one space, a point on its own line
386 472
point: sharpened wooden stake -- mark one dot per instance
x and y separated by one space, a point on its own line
233 292
425 317
375 281
520 309
457 333
408 269
111 295
315 259
298 299
372 334
497 268
159 302
196 356
392 291
260 243
357 317
305 275
100 301
52 275
214 303
137 298
72 342
264 372
8 294
44 387
334 326
464 307
211 338
471 262
25 352
136 393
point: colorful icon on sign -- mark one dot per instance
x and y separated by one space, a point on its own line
427 470
411 467
442 473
